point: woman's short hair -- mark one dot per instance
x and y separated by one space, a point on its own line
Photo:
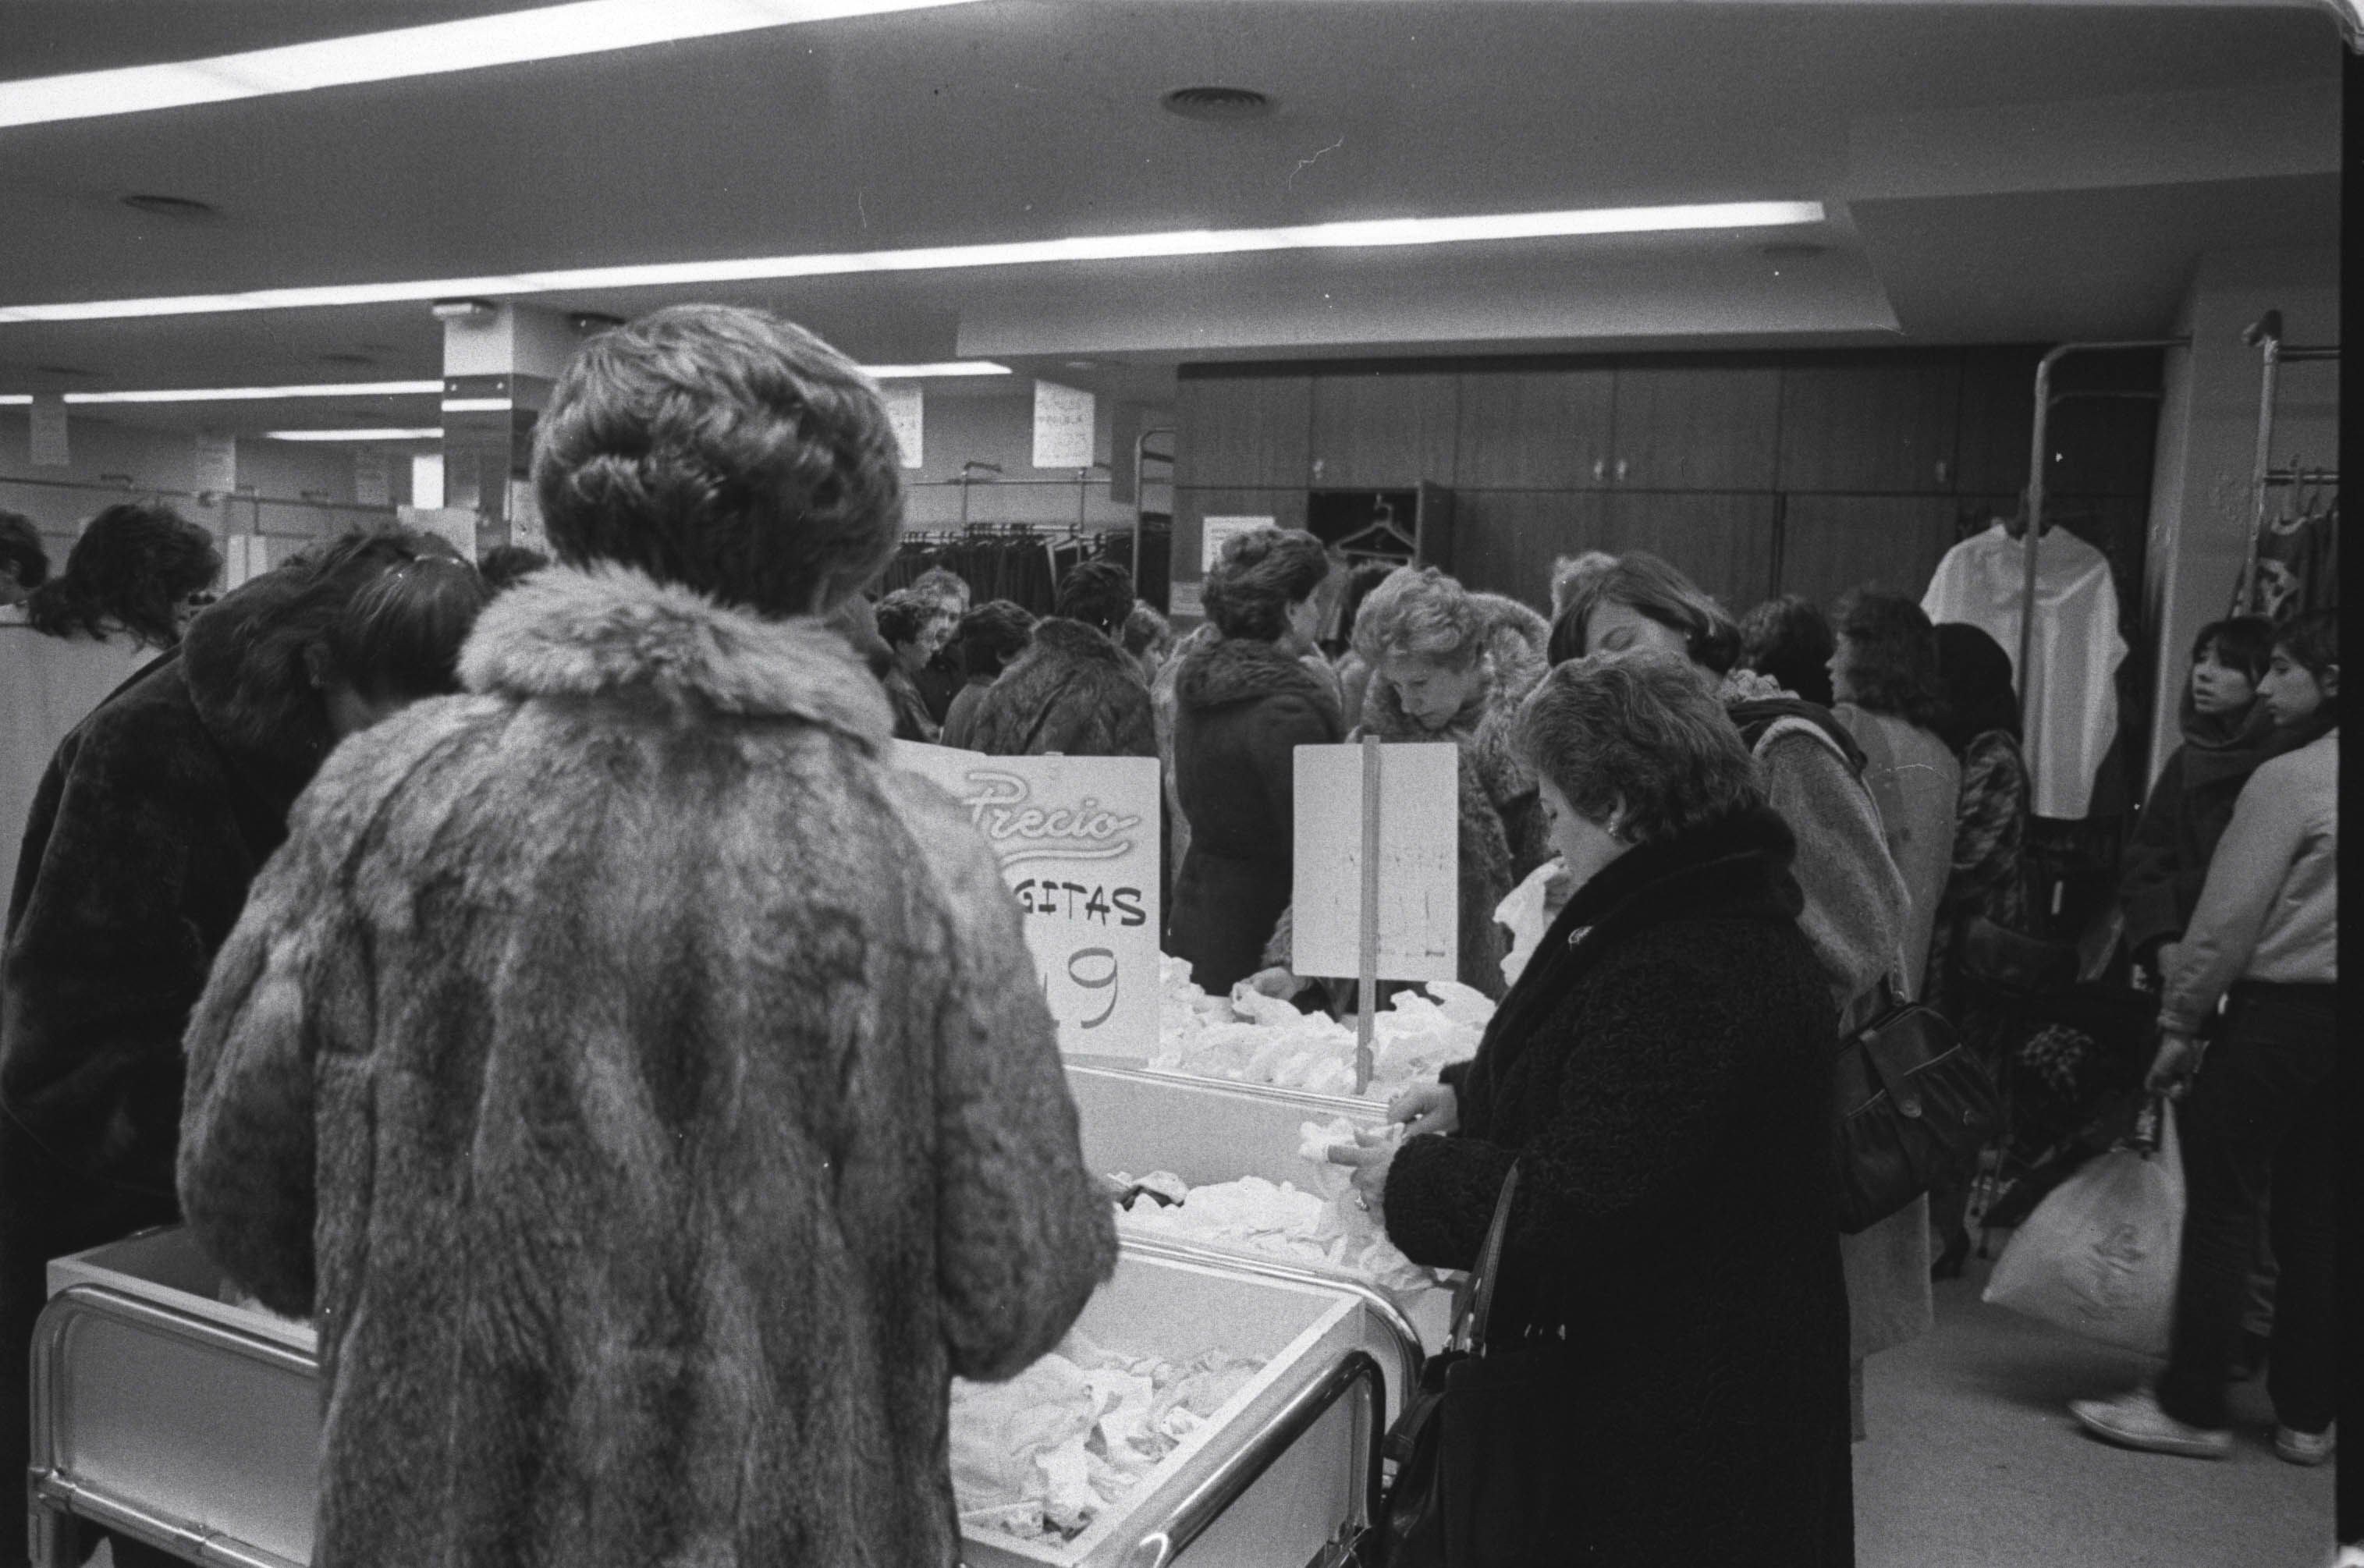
400 637
725 449
1976 675
22 551
503 566
941 583
2312 640
2242 642
1653 587
1789 640
1637 730
1892 667
1260 574
904 614
1420 613
992 635
1097 592
134 565
1569 570
1145 631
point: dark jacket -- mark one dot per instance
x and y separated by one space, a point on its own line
1073 692
151 821
1240 708
648 1091
938 680
960 717
1661 1074
913 721
2166 861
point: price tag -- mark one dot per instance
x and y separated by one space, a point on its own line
1077 840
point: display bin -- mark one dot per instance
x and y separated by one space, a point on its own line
1206 1130
163 1412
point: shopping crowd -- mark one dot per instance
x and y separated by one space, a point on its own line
539 976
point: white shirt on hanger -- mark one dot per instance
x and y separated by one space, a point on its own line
2076 651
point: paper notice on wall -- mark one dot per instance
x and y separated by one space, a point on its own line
1063 426
427 480
1418 861
373 477
1182 599
1216 532
216 473
907 413
1077 839
49 443
525 516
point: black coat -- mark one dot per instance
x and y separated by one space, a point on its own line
1073 692
1661 1072
1240 708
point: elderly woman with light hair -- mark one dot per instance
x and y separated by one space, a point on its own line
1448 664
1670 1292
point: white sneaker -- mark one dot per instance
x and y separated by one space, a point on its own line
2135 1420
2305 1448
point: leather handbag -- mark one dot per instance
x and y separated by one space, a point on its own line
1915 1107
1482 1448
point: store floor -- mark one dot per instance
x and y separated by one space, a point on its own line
1973 1462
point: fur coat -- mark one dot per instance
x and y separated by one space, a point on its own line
1661 1075
1073 692
1242 707
647 1090
147 828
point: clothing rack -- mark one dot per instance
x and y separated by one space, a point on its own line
2265 335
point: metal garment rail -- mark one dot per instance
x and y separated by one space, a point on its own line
2030 740
2265 335
1140 452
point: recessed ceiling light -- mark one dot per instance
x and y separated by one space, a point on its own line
171 206
1361 234
506 38
261 394
1080 365
407 433
948 367
1216 104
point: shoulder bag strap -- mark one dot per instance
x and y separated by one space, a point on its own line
1489 1261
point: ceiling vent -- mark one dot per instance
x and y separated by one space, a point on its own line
1218 103
170 207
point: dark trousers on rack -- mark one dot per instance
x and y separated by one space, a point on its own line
2262 1110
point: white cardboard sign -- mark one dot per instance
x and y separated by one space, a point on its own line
907 413
1216 531
1077 839
216 467
1065 423
1420 856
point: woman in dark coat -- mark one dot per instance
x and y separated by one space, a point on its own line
990 636
154 818
1073 691
1242 707
1660 1074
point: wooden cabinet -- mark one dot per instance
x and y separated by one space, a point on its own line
1832 543
1243 430
1883 426
1722 542
1535 429
1702 426
1506 540
2102 444
1382 431
1997 413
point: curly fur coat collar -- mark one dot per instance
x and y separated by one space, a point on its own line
1241 669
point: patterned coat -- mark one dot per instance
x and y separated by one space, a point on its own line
648 1094
1073 692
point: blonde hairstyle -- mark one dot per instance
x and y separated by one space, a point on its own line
1571 571
1420 613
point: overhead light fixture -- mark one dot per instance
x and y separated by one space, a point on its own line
947 367
1361 234
425 433
251 393
1216 104
506 37
461 309
477 405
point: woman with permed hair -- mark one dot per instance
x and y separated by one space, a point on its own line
1669 1294
641 1081
1884 674
989 637
1073 691
910 624
1789 640
1243 702
123 599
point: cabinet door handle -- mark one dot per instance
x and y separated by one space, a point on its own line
1600 469
1620 470
1944 471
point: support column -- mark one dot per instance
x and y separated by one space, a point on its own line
499 364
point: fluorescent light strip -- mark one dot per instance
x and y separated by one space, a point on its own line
261 394
1371 233
427 434
476 404
509 37
949 367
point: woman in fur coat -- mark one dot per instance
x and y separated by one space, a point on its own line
1073 691
1661 1077
1243 702
150 823
645 1087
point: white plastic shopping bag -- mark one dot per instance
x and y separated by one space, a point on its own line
2098 1256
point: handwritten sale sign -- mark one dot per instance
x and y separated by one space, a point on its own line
1077 839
